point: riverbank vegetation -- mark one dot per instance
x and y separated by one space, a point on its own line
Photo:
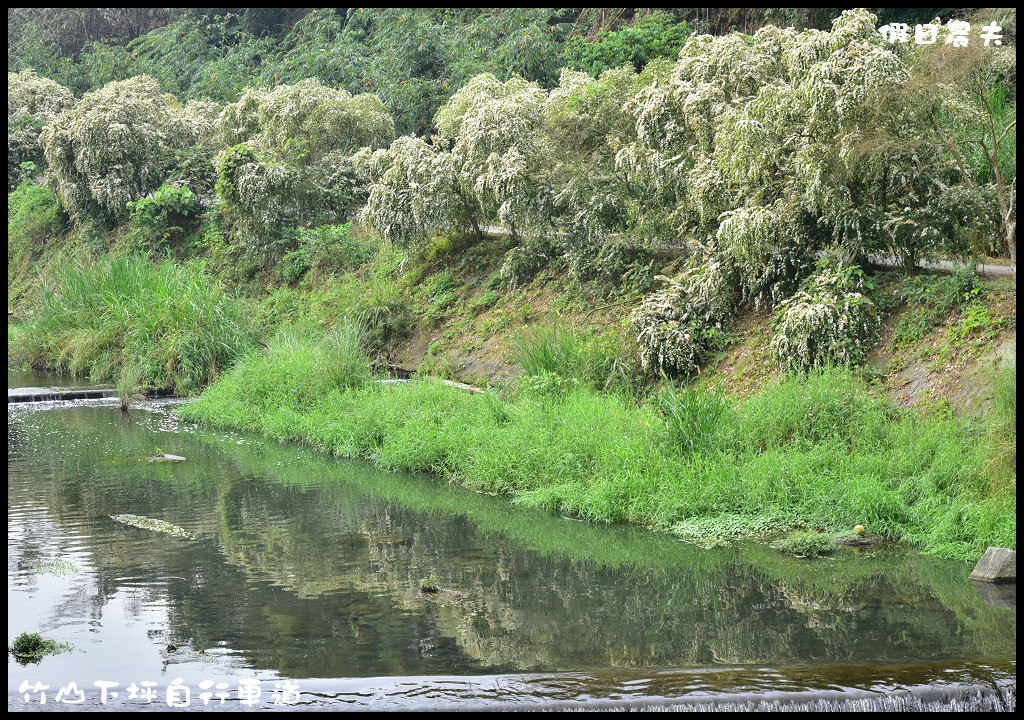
817 452
163 325
309 197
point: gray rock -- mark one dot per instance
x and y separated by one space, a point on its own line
996 565
167 457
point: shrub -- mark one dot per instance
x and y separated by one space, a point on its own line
412 191
163 220
523 261
929 300
329 248
679 326
830 321
32 102
498 151
116 145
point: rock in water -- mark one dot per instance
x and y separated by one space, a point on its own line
167 457
147 523
996 565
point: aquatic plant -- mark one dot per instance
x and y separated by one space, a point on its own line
430 585
806 543
128 385
147 523
32 647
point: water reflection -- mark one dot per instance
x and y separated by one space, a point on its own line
311 568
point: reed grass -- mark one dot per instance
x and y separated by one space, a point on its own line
171 322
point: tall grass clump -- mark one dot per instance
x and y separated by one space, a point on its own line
554 357
171 321
301 365
128 385
1002 436
696 419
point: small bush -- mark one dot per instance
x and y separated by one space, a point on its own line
163 220
830 321
549 349
555 358
679 326
334 248
930 299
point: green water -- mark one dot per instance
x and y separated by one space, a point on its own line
309 568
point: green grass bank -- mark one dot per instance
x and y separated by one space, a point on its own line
814 453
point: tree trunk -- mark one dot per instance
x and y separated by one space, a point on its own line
1010 234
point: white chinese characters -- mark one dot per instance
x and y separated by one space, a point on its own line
958 33
248 692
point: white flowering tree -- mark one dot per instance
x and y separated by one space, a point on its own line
411 190
593 205
288 156
499 152
32 102
767 150
115 146
829 321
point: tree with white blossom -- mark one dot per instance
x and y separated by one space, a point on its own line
32 102
115 145
288 156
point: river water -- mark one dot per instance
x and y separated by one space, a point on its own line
306 571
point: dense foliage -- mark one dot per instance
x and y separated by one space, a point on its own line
288 161
32 102
757 153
